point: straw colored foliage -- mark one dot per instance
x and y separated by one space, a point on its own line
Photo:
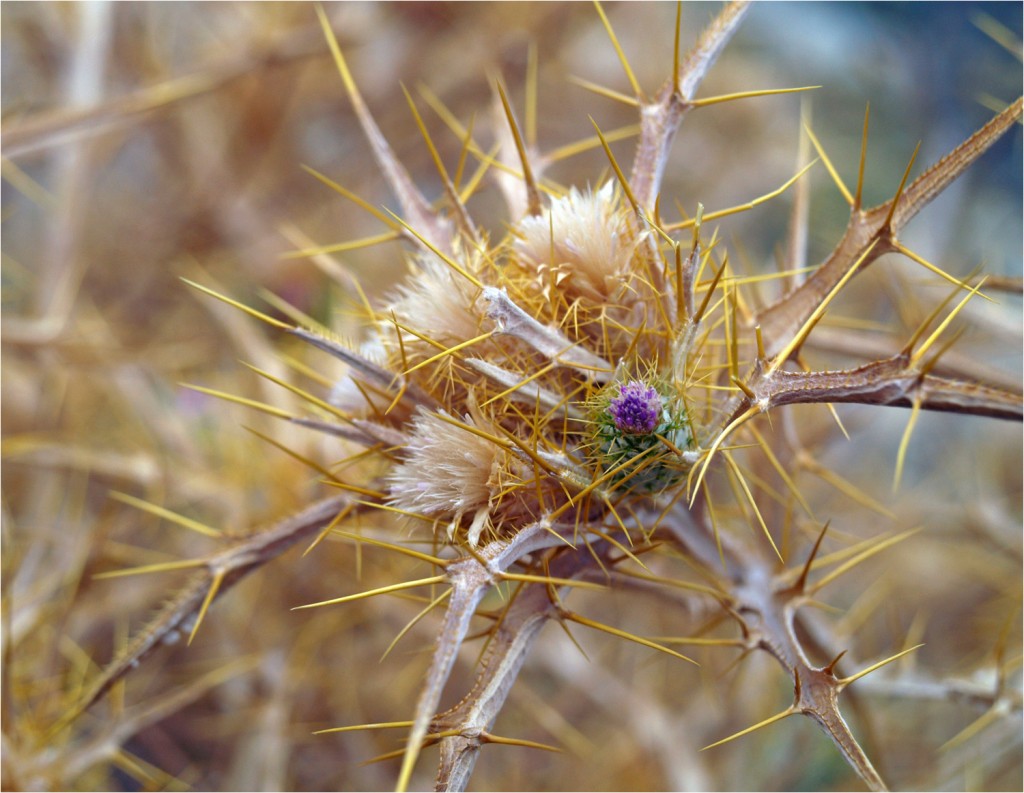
616 386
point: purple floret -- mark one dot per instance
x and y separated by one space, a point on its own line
637 409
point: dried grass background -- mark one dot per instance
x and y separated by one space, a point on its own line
146 142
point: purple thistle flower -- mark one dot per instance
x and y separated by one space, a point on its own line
637 409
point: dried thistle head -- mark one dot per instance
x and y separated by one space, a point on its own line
596 396
449 472
580 247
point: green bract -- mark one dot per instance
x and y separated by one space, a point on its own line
631 458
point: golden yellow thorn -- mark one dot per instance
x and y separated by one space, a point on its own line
355 199
844 682
847 487
539 373
558 582
421 336
937 270
450 351
901 454
26 185
409 625
863 159
771 720
161 512
532 194
781 471
734 210
211 593
920 351
431 148
697 317
828 165
240 306
623 182
856 560
976 726
446 259
308 397
363 491
436 579
753 504
329 528
699 641
714 100
388 508
592 142
899 190
298 317
249 403
749 413
618 51
600 626
158 567
341 247
676 584
460 167
339 59
607 93
294 454
744 388
381 725
805 330
423 557
487 737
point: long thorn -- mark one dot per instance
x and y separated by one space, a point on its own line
847 680
771 720
435 579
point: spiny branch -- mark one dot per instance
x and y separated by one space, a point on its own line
470 578
414 206
508 649
878 227
222 571
892 382
659 120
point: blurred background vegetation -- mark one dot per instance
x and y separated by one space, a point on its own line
143 142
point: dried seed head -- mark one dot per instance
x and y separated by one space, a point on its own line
435 301
583 244
448 473
348 396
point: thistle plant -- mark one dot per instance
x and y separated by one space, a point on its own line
599 415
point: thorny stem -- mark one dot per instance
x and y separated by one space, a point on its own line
508 649
892 382
226 568
659 120
765 607
470 582
781 321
